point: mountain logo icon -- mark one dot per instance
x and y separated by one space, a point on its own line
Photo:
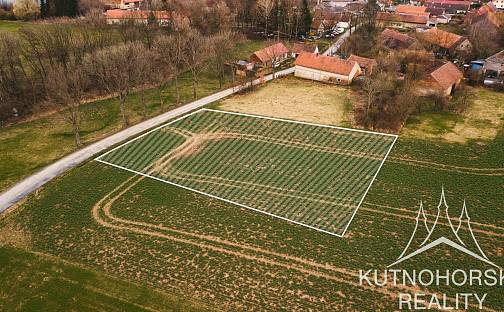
435 236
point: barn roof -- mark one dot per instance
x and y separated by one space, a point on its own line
442 38
406 18
268 53
411 9
329 64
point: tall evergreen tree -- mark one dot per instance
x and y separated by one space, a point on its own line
62 7
306 17
44 13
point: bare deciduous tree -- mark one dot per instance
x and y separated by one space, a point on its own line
264 9
222 46
118 69
171 55
67 88
197 51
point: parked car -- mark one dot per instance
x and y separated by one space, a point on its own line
339 31
343 25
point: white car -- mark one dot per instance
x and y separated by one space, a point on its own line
343 25
339 31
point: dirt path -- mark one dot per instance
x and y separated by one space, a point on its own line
101 212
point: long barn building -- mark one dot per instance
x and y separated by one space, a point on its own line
326 68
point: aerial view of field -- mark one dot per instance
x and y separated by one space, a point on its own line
220 256
308 174
251 155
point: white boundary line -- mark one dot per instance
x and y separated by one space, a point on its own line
217 197
148 132
296 121
242 205
369 186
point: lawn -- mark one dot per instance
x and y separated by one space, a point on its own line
177 241
296 99
311 175
12 26
29 146
481 121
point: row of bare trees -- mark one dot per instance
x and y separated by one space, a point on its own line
66 64
285 17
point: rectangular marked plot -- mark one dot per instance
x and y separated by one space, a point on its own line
309 174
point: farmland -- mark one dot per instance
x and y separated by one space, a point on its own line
213 253
316 176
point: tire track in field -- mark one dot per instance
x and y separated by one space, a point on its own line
105 204
449 168
392 159
413 218
277 141
406 212
415 212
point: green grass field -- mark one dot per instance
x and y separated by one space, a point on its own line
37 282
12 26
179 242
313 175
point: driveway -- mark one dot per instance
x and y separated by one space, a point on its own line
35 181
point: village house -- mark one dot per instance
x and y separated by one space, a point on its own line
411 9
117 16
326 68
395 40
325 20
366 64
442 80
446 43
438 15
450 6
300 47
271 56
130 4
401 21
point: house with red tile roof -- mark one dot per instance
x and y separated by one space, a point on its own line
270 55
450 6
118 16
366 64
411 9
326 68
446 42
401 20
443 79
395 40
300 47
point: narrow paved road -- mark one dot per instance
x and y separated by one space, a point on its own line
35 181
335 46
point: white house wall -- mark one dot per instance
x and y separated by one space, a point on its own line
319 75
